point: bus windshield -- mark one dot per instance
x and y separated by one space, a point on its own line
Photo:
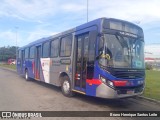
120 51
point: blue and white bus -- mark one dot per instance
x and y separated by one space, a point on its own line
102 58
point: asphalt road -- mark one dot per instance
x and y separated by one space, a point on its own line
20 95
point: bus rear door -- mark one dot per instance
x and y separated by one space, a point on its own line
37 62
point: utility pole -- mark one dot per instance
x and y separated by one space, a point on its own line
16 39
87 10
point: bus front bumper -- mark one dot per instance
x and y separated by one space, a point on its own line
104 91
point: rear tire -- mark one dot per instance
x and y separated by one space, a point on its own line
26 75
66 87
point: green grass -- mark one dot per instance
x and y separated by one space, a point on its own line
8 66
152 86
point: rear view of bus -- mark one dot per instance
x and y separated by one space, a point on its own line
120 60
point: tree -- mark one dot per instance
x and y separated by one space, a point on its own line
148 66
7 53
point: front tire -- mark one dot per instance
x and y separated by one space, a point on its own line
66 87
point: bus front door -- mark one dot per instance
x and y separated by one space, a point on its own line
37 62
82 44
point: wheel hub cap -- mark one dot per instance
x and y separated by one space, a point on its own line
66 86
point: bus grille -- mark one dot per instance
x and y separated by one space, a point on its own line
127 73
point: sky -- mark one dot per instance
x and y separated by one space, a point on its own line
152 51
24 21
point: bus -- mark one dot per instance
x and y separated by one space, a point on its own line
102 58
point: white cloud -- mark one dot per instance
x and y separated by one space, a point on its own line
25 9
135 10
9 37
73 7
38 34
152 50
59 15
39 10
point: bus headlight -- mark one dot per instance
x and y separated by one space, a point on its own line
140 82
103 80
108 82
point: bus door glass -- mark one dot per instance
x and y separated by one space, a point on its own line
22 62
81 62
37 62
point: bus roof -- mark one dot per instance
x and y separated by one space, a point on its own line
96 22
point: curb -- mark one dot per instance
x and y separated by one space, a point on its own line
149 99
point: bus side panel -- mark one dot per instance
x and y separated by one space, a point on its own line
91 89
45 70
57 67
55 71
61 65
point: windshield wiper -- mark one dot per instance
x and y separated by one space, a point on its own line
122 40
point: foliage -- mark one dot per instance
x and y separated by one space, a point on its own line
7 53
148 66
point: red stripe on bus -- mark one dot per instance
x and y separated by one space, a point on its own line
120 83
93 81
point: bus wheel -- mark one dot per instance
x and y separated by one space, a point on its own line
26 75
66 87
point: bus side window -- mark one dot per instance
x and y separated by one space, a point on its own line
54 48
31 52
26 53
92 40
19 54
91 54
66 46
45 52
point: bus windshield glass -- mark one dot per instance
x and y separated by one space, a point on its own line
121 51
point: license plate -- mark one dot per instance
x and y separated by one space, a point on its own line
130 92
